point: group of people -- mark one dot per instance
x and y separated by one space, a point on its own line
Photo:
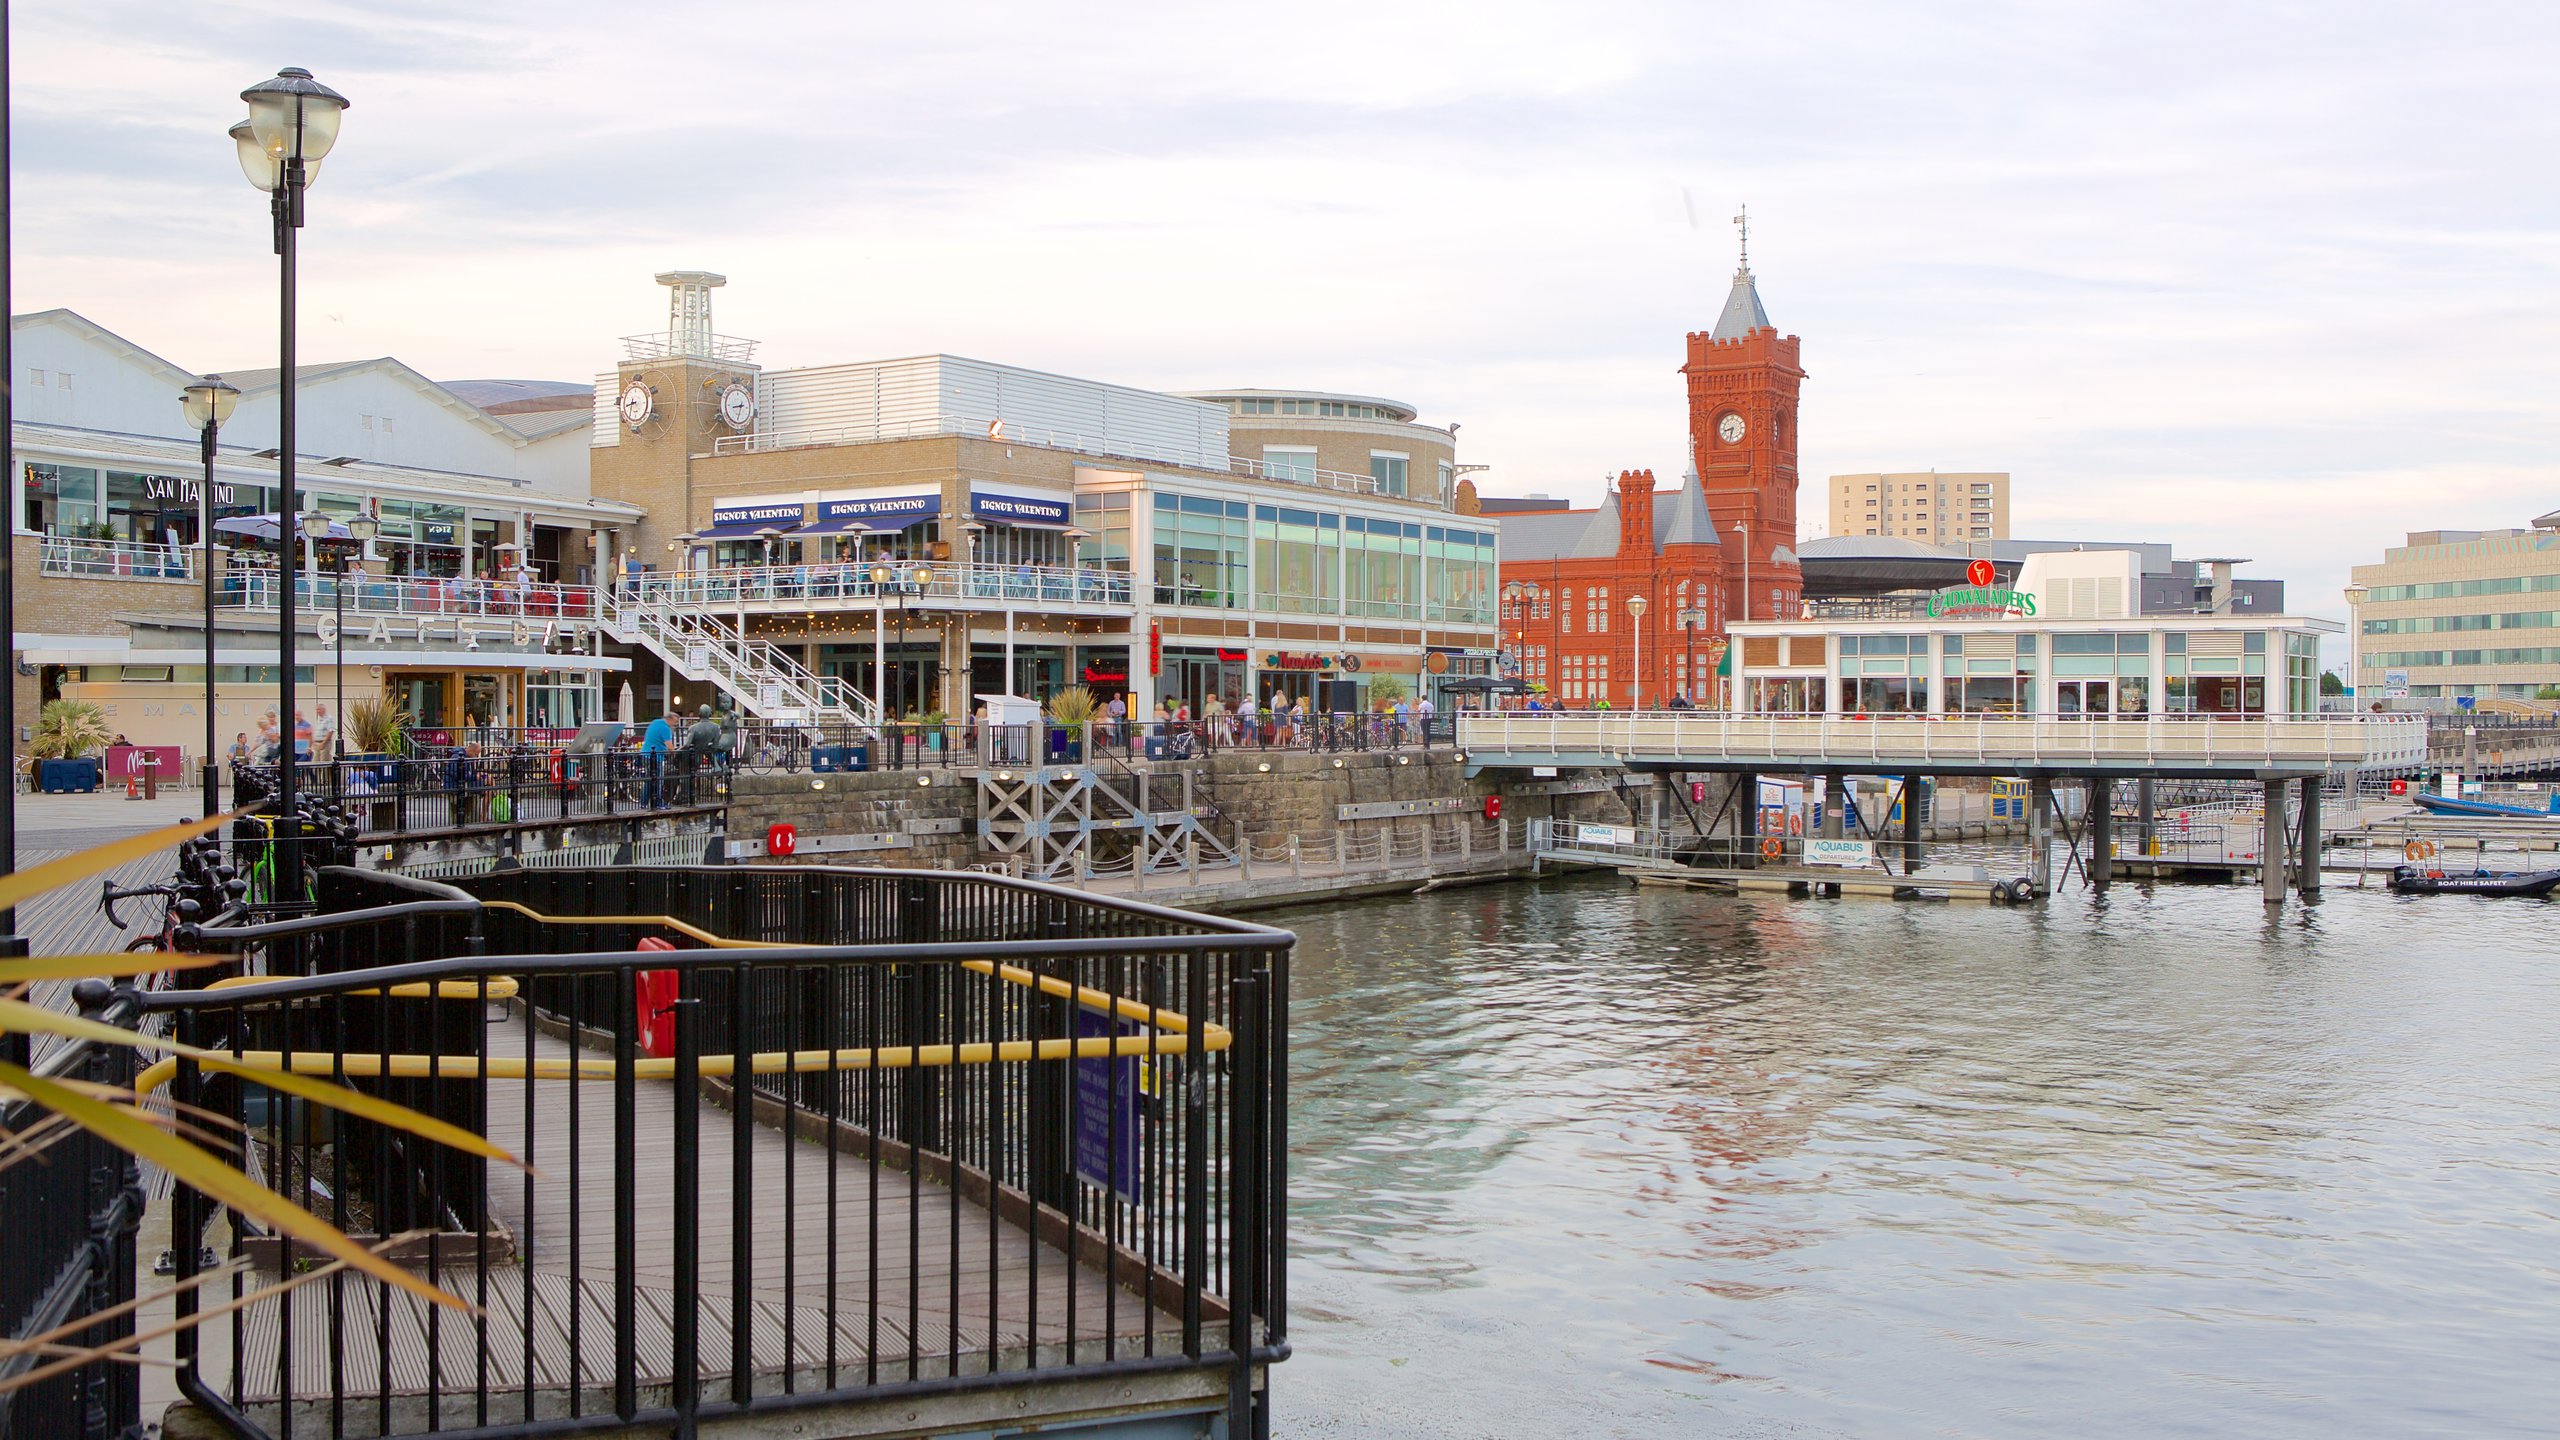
1281 719
315 737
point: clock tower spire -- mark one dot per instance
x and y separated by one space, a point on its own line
1743 380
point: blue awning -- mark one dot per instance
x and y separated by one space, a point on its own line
877 512
742 522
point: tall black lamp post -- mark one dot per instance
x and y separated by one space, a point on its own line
293 122
208 404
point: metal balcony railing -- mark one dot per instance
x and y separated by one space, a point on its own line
114 559
367 595
959 585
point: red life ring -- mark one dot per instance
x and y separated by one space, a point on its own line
1795 822
1772 848
556 765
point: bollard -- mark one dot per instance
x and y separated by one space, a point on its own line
1297 870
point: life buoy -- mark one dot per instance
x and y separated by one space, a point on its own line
1795 822
2419 850
1772 847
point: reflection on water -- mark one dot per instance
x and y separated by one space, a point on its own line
1585 1160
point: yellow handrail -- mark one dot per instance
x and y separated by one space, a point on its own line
1173 1027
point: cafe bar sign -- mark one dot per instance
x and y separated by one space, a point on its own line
1981 597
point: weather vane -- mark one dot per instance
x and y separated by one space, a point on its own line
1743 222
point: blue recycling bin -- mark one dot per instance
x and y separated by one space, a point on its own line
67 777
840 758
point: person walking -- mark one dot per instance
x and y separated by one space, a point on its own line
654 743
701 747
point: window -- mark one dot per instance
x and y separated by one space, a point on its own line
1595 611
1387 467
1564 612
1290 462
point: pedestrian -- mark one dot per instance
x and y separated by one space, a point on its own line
654 743
324 733
701 746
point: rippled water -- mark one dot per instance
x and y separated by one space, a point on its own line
1584 1160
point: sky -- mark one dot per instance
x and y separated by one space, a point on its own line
2273 280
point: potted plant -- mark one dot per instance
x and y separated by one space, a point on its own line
376 727
68 736
932 723
1071 712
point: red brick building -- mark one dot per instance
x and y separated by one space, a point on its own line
1567 574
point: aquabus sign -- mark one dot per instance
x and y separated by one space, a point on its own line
1980 595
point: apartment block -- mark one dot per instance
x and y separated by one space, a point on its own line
1938 507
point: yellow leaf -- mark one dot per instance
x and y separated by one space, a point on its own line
19 1015
120 1128
25 885
363 1106
101 967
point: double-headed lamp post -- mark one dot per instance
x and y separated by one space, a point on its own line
292 125
1635 609
208 404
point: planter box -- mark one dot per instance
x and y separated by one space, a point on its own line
67 777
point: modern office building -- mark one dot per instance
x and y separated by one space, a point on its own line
2456 614
479 514
1932 506
918 532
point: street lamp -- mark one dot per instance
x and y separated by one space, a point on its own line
881 576
1635 608
1743 529
361 528
2355 643
292 125
1690 618
208 404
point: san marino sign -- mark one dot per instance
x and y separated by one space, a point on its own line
1980 597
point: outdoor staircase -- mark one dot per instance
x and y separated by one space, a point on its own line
765 680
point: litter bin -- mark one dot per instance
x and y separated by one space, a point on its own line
840 758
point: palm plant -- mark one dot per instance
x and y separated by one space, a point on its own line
1072 709
376 724
69 729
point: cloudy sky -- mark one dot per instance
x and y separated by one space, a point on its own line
2258 279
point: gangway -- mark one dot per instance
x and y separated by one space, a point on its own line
703 645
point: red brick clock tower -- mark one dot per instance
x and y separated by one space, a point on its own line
1743 378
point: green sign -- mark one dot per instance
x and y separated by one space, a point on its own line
1980 600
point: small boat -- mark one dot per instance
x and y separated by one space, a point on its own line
2532 884
2448 805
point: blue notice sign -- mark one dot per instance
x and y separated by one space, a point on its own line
1018 509
1106 1101
901 509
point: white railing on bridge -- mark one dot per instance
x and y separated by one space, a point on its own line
114 559
2290 742
767 680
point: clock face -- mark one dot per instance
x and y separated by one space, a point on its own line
1731 428
636 405
738 405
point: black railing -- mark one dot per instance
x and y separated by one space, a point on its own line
996 1131
767 748
459 791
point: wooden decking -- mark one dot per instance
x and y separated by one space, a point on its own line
940 1286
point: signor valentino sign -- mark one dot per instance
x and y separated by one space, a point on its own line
1980 596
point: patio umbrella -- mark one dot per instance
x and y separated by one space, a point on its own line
267 529
625 708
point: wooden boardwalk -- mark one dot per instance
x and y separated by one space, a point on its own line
939 1286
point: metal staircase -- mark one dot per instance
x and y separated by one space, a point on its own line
767 681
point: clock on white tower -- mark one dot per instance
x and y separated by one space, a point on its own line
1731 428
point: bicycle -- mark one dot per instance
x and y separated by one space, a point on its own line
177 908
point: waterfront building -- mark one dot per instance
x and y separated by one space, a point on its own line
1898 572
2063 637
2461 614
485 519
1720 546
1926 505
926 530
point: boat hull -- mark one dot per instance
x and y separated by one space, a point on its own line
2528 884
2448 805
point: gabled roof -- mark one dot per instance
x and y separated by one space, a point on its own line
74 320
253 381
543 424
1599 540
1680 517
1742 311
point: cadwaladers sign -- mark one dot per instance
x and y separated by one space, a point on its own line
1982 596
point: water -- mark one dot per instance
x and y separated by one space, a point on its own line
1584 1160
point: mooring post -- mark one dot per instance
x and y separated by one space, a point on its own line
2040 835
2102 837
2146 816
2271 845
2306 875
1912 856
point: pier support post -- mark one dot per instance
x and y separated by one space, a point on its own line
2306 870
1746 817
2102 825
2040 835
2271 845
1835 808
1912 858
2146 816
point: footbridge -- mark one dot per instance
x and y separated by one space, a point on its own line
2288 755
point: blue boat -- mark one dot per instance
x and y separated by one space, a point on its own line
2448 805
